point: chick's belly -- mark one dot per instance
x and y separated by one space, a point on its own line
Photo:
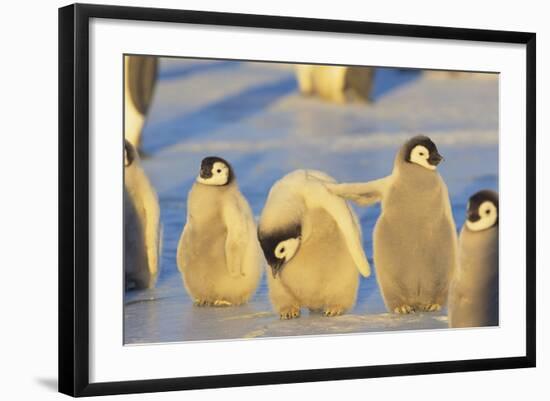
313 278
415 238
206 256
399 254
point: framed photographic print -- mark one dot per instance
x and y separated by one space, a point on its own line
249 199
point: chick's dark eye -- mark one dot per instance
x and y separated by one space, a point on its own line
282 250
487 211
421 153
219 171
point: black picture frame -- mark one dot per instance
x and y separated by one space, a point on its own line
74 198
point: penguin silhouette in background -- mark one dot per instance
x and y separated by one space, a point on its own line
140 77
338 84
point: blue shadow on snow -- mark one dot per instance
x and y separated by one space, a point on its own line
231 109
388 79
192 68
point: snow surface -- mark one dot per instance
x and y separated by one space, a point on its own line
252 115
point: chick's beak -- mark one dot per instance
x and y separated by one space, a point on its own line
205 172
435 158
473 216
276 267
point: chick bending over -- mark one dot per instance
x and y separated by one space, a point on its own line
312 242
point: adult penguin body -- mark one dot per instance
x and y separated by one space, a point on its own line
415 244
142 229
312 241
218 253
473 297
140 76
338 84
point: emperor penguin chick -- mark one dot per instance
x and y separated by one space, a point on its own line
415 240
473 296
140 77
311 239
142 229
219 255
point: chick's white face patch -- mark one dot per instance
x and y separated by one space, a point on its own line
420 155
285 250
220 175
488 215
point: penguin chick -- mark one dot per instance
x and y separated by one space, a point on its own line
311 240
142 229
415 240
218 253
140 76
473 296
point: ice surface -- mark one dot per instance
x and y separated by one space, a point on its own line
252 115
